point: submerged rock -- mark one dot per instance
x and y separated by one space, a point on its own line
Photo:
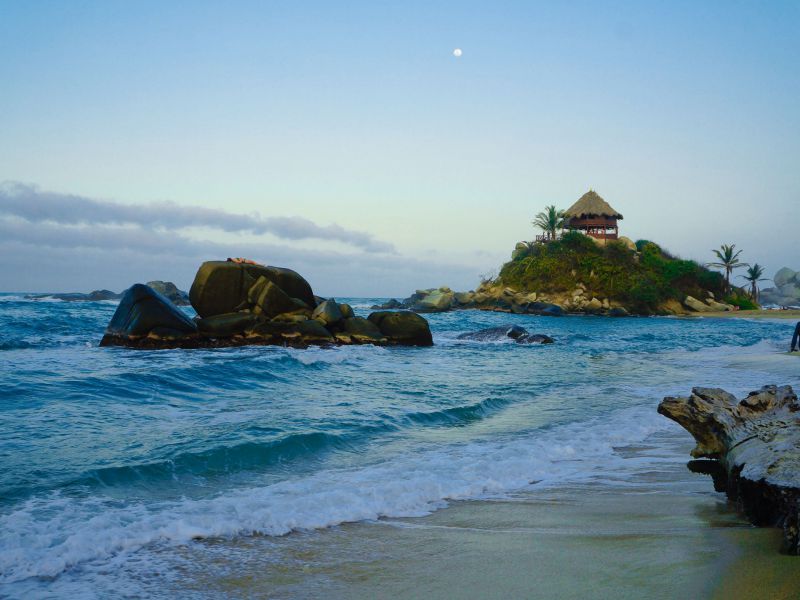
757 443
515 332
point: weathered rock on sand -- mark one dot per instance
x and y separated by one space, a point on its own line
241 303
756 443
519 334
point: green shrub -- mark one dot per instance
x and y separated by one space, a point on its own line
642 280
743 301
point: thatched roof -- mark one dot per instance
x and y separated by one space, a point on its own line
591 205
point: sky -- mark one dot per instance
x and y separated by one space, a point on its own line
346 141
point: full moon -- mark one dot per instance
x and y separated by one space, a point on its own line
457 52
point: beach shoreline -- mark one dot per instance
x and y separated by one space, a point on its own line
791 314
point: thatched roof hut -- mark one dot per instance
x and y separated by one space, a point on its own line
594 216
591 205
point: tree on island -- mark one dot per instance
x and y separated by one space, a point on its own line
754 274
728 260
550 220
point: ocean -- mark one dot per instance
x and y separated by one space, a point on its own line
261 471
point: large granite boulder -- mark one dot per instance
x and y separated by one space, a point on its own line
143 311
170 291
786 291
223 286
783 276
403 327
696 305
328 313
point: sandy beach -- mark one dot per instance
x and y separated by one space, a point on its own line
666 534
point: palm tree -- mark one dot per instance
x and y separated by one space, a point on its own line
550 220
754 274
728 260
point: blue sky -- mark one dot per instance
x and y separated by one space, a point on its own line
357 116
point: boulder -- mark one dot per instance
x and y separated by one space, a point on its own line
754 449
719 306
328 313
272 301
784 276
464 297
403 327
593 306
170 290
226 325
362 330
519 334
347 311
436 301
389 305
696 305
140 311
223 286
544 309
308 332
617 311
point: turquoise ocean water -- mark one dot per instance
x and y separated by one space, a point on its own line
112 460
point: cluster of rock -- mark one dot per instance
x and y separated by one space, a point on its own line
754 447
710 304
786 291
493 297
240 303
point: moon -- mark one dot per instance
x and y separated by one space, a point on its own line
457 52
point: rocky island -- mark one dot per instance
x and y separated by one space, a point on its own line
754 449
242 303
589 269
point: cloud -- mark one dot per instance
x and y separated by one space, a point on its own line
31 204
46 257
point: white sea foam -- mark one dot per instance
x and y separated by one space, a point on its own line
336 354
48 535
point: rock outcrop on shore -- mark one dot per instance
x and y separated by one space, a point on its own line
754 449
786 291
240 303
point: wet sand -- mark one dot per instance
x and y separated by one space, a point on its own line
666 534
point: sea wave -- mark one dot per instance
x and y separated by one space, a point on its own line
45 536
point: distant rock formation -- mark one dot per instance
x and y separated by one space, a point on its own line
754 447
786 291
171 291
94 296
240 303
